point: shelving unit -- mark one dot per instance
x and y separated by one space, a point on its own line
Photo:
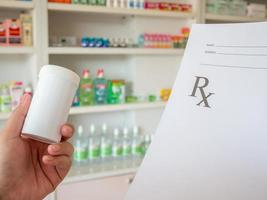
116 108
112 51
117 11
21 5
107 108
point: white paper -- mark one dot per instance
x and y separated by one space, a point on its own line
217 152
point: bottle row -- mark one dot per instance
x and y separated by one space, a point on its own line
10 95
133 4
99 90
144 40
16 32
105 149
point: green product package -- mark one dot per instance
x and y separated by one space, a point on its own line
75 1
116 91
117 151
137 149
92 2
101 2
80 154
106 151
127 150
94 152
83 1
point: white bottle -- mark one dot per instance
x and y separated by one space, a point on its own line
141 4
80 145
106 148
54 94
127 148
137 147
117 149
94 149
115 4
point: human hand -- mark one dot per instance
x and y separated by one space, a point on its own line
30 169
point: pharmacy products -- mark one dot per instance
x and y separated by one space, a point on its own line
116 92
100 88
80 145
86 92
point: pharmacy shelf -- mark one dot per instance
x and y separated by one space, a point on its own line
16 5
228 18
117 11
114 108
74 176
106 108
16 50
4 116
112 51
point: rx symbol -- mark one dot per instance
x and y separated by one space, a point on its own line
200 84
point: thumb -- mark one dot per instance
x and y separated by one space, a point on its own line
16 120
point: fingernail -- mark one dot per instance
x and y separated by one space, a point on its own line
49 158
55 147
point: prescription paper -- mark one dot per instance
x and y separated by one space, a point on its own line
211 143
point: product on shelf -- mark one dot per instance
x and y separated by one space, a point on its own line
168 6
10 95
165 94
116 92
86 91
16 32
109 149
256 10
100 88
227 7
133 4
99 91
151 40
26 21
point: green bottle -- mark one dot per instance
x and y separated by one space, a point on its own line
86 93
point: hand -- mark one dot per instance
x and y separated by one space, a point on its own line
30 170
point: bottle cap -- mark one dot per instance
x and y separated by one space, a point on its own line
80 130
92 128
54 70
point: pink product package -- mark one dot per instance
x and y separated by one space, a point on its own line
13 32
3 34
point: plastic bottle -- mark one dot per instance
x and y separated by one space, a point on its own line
137 147
94 149
146 143
117 149
86 93
100 88
6 101
80 148
106 148
141 4
127 147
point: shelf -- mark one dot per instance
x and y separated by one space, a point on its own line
112 51
16 50
106 108
116 11
76 177
228 18
15 5
114 108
